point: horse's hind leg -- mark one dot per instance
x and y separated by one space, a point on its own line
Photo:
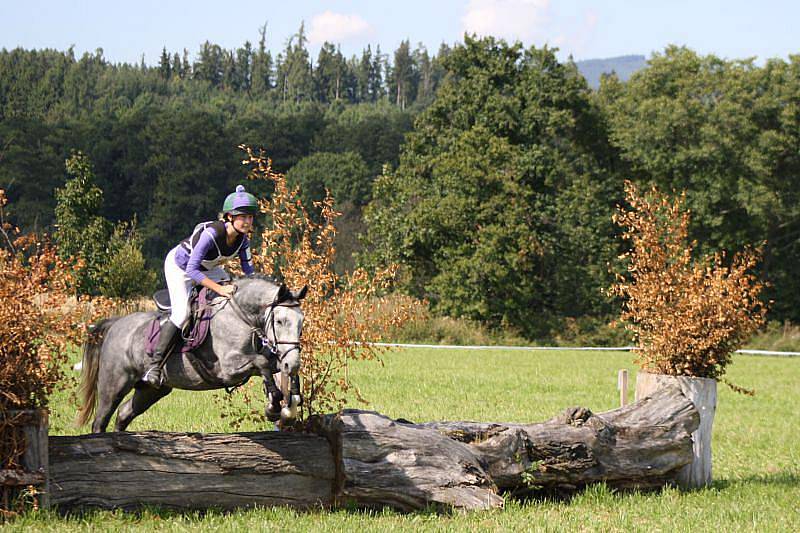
110 393
140 402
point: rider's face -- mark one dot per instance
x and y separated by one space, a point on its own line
243 223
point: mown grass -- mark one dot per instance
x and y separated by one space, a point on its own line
756 450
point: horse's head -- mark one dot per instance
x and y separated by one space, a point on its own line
283 326
280 318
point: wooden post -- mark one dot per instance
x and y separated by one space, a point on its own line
34 425
622 385
702 392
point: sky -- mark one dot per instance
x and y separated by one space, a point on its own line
584 29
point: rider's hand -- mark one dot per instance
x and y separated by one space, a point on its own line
227 290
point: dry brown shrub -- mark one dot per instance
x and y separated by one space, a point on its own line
341 322
688 315
40 319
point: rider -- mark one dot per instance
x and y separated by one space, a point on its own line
197 260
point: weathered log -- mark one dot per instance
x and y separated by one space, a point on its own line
366 459
33 425
383 462
17 478
642 445
702 392
190 470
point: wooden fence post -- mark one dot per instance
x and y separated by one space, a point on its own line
622 385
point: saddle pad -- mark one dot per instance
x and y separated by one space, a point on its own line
198 330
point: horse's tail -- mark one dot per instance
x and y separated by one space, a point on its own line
90 368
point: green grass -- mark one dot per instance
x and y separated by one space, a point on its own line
756 446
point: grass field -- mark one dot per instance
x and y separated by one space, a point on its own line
756 446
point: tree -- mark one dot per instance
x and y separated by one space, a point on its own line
363 77
345 175
403 78
209 66
262 65
722 131
124 274
81 233
294 72
164 67
376 85
177 66
189 167
329 74
425 75
244 67
497 170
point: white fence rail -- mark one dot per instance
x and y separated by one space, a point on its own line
561 348
78 365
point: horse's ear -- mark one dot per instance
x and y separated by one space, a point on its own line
283 293
299 295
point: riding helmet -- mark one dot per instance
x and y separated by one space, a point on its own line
240 203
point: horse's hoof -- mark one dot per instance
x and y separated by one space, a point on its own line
273 415
288 413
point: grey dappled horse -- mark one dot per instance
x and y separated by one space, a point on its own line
114 358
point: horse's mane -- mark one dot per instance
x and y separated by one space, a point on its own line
263 277
244 281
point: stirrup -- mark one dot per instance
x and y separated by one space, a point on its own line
154 377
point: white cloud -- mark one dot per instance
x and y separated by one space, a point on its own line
337 28
578 40
525 20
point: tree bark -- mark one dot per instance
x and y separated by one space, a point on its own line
190 470
702 392
33 424
643 445
368 460
382 462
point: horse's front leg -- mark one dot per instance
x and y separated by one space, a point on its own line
274 396
295 399
267 367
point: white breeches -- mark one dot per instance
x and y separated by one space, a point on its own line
179 285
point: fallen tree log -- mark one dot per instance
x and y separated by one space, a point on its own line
368 460
382 462
643 445
190 470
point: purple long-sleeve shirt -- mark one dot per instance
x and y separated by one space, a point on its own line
210 246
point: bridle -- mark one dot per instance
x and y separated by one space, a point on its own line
262 331
269 321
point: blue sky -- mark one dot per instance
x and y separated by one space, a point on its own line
583 28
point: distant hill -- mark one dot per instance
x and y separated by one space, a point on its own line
624 66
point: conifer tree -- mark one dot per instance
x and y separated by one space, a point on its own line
261 79
177 68
244 67
363 77
164 67
376 87
402 79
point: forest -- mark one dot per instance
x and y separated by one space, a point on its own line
489 172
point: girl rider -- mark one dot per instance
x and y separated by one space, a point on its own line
197 260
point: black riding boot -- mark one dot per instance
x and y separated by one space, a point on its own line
169 333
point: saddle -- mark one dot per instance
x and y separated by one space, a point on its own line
196 330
